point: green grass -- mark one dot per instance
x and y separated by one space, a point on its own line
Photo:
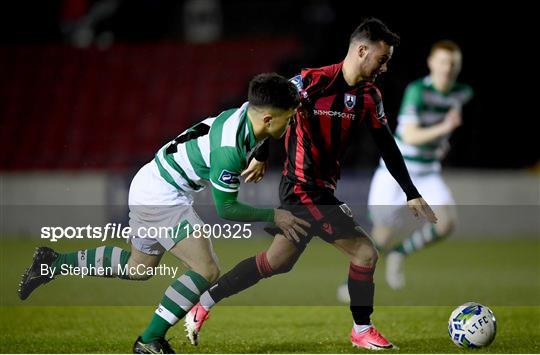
294 313
254 330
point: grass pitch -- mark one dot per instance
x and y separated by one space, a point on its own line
254 329
294 313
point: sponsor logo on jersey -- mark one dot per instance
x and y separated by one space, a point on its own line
229 178
350 101
346 115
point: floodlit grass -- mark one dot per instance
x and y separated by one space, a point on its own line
293 313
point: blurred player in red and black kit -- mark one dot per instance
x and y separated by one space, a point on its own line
335 100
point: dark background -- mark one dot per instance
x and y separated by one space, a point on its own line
500 124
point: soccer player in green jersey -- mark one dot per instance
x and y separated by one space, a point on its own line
214 152
430 112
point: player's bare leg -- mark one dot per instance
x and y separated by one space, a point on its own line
198 255
139 258
363 257
279 258
382 236
283 254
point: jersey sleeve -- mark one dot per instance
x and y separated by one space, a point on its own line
228 207
375 116
411 104
377 124
226 165
310 83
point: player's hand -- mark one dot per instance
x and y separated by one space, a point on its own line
419 207
289 224
255 171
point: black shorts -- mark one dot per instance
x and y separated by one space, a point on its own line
330 218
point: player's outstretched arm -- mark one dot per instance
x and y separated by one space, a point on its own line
396 166
394 160
228 207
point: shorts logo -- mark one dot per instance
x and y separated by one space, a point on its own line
345 209
229 178
327 227
350 101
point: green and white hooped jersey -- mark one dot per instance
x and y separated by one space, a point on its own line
424 105
214 150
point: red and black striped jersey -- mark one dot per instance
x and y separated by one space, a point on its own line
325 124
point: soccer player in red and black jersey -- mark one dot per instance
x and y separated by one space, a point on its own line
336 100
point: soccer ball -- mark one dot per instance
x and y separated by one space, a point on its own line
472 325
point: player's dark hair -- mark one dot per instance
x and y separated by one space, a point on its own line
271 89
374 30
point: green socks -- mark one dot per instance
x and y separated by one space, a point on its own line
179 298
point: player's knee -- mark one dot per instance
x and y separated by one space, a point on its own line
445 228
137 271
209 271
279 264
283 268
447 220
367 255
445 225
382 236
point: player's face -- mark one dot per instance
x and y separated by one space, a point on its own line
375 60
444 66
280 121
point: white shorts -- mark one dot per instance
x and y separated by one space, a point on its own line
387 201
158 212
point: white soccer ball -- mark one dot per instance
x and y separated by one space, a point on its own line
472 325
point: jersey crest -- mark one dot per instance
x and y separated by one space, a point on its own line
350 101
